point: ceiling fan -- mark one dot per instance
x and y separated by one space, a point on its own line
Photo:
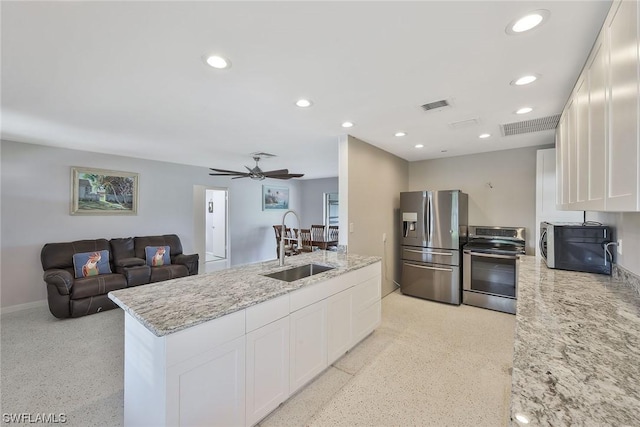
257 173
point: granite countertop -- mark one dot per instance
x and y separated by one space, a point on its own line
576 357
173 305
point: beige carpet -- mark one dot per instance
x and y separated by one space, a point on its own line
427 364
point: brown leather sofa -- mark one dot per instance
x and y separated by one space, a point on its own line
69 296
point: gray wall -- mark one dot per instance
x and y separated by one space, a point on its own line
501 186
35 210
375 180
627 228
312 200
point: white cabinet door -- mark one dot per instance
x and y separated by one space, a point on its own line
571 186
339 320
208 389
582 143
367 312
308 345
597 129
623 146
562 174
267 369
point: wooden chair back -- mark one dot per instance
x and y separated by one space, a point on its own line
305 237
317 232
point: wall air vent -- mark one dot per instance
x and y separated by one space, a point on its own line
435 105
528 126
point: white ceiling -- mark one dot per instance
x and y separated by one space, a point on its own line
128 77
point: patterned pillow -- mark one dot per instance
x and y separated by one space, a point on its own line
157 255
88 264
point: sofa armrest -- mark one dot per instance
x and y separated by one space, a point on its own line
130 262
61 279
189 261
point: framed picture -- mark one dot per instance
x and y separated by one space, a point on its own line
275 197
103 192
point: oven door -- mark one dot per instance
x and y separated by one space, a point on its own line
490 280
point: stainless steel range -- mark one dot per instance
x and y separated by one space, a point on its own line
490 267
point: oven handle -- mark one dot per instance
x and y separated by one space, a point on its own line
483 254
429 268
429 253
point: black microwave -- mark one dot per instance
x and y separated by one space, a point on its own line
576 247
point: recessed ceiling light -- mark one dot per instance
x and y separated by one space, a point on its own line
527 22
524 80
303 103
524 110
401 134
484 135
218 62
419 145
347 125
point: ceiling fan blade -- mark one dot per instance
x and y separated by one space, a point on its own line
276 172
224 170
246 175
287 176
229 174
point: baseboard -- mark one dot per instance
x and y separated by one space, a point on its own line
25 306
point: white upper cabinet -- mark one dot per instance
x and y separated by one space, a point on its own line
623 152
598 138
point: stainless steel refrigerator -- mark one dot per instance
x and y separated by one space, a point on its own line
434 228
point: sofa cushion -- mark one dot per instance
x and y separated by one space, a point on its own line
157 255
60 255
122 248
167 272
97 285
171 240
87 264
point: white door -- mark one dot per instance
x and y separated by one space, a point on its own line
216 227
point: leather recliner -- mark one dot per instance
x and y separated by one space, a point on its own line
74 297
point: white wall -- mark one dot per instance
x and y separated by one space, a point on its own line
375 180
35 210
312 199
501 186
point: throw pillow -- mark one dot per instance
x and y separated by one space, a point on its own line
86 264
157 255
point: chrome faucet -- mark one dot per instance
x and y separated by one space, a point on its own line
282 236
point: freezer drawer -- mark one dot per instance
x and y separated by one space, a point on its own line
431 255
431 281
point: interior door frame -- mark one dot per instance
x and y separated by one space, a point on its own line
200 223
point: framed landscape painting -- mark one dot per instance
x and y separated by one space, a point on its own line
103 192
274 197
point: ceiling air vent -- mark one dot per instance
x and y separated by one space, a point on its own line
528 126
464 123
436 104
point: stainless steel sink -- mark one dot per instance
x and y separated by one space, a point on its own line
300 272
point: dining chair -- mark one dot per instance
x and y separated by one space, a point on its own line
332 236
288 249
317 232
305 237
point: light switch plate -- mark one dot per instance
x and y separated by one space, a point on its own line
619 247
350 227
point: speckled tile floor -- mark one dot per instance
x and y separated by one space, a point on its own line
428 364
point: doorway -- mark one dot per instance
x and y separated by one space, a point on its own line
331 209
211 223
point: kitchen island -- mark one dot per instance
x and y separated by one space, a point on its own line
226 348
576 357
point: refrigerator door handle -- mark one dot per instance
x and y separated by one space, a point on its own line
428 218
429 268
